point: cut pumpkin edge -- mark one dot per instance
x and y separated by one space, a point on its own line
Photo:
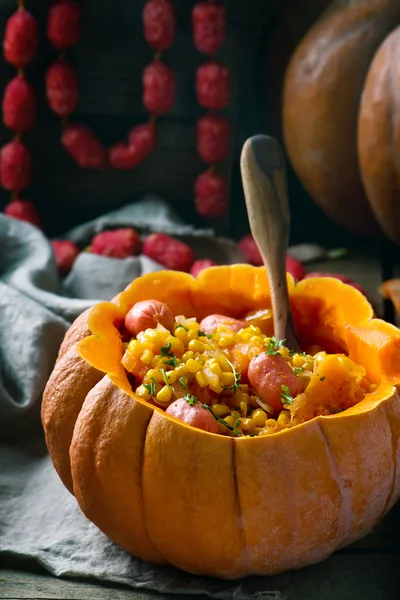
103 349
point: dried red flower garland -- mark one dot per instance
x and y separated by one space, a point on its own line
19 112
213 91
63 31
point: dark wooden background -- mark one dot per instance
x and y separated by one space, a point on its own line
110 58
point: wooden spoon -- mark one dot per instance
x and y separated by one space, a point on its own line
265 189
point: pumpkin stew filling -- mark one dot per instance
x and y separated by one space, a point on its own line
232 377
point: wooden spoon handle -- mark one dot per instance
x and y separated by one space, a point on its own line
265 189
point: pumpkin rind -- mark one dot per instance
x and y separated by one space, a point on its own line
69 383
106 458
379 136
221 506
323 87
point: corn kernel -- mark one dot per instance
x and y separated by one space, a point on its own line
157 363
171 376
154 374
372 388
308 364
152 339
284 352
236 414
244 388
259 417
227 379
192 333
298 360
176 345
225 338
196 346
165 394
215 367
143 393
247 425
243 397
224 364
201 379
247 335
221 410
253 401
189 354
181 370
271 424
147 357
257 339
243 409
135 347
181 334
283 419
193 365
217 388
232 421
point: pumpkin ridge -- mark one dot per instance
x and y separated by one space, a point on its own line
392 96
394 462
94 477
395 445
342 487
247 557
141 490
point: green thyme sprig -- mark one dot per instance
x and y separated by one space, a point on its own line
237 376
286 396
274 345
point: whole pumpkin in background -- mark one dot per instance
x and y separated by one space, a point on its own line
323 87
379 136
210 504
295 18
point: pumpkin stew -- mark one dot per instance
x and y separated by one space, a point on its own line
232 377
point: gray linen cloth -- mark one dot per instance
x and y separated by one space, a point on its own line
39 519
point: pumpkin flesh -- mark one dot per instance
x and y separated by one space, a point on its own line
236 506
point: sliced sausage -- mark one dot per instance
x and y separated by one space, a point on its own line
147 314
196 415
211 323
267 373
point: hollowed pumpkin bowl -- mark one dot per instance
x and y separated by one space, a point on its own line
211 504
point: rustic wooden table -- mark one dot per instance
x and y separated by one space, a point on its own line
368 570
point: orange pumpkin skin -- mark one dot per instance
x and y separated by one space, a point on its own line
379 136
323 87
246 506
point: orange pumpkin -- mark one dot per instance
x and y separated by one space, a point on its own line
323 122
379 136
211 504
